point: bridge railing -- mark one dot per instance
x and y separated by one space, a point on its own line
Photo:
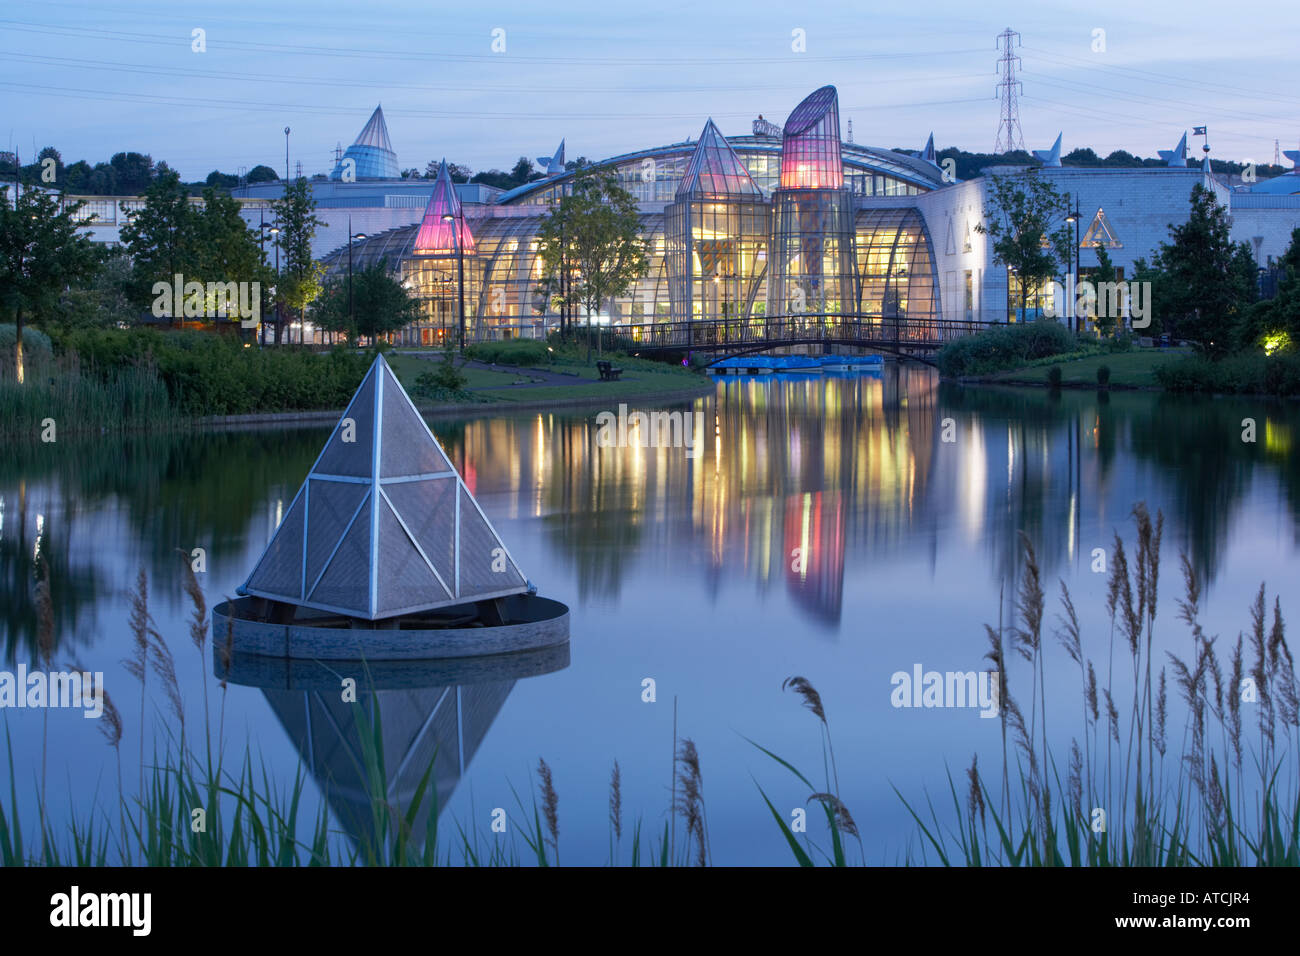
778 329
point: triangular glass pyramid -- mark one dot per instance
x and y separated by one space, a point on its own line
437 234
383 525
1100 233
715 170
950 248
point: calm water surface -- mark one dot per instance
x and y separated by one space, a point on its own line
825 529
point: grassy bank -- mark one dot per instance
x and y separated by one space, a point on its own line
1185 767
1137 368
531 372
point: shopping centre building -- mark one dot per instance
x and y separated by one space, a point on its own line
789 221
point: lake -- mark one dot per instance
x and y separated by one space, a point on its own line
842 528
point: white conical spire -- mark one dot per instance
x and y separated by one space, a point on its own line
383 525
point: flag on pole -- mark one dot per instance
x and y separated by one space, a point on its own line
1198 130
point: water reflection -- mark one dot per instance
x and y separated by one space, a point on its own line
428 712
797 479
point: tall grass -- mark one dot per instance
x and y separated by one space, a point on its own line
1203 811
1226 795
132 397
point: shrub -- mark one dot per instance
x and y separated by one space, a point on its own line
1103 375
209 374
1250 373
509 352
1054 376
36 346
1004 347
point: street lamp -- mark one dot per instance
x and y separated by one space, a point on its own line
460 269
1074 217
275 231
352 316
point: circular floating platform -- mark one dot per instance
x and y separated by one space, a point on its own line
520 622
279 673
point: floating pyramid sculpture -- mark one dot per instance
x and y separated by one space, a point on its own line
437 236
372 153
383 524
715 170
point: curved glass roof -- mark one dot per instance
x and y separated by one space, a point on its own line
814 108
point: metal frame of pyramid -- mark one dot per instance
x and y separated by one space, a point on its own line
383 524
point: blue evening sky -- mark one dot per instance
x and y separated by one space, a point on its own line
97 78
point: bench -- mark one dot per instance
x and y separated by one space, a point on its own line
607 372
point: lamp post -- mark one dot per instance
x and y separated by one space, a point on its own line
275 232
352 315
1073 292
457 229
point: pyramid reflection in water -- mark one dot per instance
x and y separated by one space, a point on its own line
434 713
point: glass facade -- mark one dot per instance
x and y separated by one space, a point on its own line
810 154
742 229
895 265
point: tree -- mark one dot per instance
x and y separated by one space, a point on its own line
1105 272
262 174
380 303
42 252
103 300
300 277
1275 323
226 249
1019 218
522 171
1206 279
596 231
161 238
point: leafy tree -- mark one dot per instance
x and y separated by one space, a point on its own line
1206 279
161 238
1275 323
1105 272
135 171
522 171
103 300
1022 218
596 230
262 174
226 248
42 252
299 282
380 303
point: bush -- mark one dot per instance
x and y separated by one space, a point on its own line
1250 373
509 352
1103 375
1054 376
212 374
1005 347
36 346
